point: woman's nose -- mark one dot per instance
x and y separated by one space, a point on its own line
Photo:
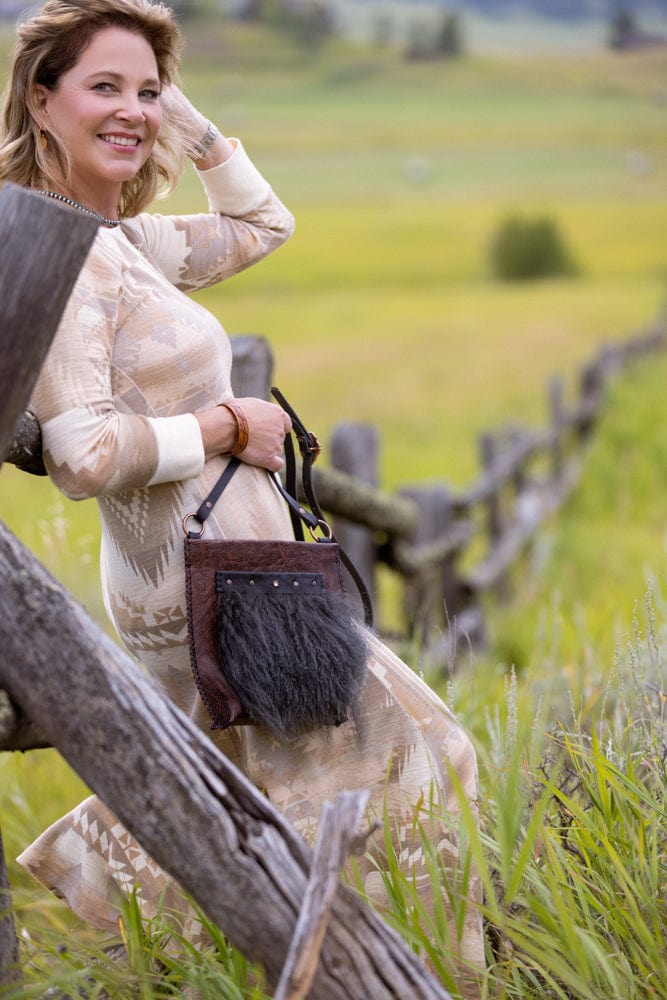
130 110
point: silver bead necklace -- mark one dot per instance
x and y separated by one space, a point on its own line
112 223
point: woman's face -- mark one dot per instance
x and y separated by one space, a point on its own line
106 111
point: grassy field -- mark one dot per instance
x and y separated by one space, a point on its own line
382 309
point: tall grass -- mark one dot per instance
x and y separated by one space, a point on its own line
571 851
572 848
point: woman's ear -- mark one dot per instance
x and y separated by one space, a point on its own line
37 104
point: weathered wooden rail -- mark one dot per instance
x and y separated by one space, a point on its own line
274 898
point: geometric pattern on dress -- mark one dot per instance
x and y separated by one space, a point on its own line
132 514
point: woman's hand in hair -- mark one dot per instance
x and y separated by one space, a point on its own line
181 115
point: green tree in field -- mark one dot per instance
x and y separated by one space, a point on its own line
529 248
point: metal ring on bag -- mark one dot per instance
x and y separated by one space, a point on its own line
191 534
326 530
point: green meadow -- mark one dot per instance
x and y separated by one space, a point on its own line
383 309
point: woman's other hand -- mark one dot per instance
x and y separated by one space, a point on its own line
181 114
267 425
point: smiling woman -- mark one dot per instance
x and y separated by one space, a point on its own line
136 409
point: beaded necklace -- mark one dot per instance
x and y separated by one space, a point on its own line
112 223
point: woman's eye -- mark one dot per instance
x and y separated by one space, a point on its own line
103 87
150 95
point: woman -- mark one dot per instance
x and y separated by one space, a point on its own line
129 406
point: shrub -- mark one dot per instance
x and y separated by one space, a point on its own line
525 248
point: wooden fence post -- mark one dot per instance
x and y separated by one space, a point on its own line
424 595
591 386
336 837
252 366
437 601
489 453
515 437
354 449
43 247
557 424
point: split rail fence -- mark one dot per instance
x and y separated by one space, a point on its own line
451 549
454 548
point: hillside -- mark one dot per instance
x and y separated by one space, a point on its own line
557 10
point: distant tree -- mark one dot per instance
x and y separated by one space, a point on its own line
418 46
382 29
251 11
623 28
450 38
186 9
445 42
307 22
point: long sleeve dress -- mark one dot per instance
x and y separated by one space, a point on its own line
133 358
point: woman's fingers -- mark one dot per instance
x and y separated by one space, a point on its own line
267 425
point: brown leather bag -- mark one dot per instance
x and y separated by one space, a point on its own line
273 637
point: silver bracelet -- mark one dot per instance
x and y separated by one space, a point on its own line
207 140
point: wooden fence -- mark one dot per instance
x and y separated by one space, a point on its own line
280 902
451 549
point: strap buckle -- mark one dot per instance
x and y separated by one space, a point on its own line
314 447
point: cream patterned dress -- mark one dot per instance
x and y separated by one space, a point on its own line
133 358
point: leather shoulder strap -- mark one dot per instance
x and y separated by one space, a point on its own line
309 448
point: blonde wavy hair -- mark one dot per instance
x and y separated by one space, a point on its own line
48 45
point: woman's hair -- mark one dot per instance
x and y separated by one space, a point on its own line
49 45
